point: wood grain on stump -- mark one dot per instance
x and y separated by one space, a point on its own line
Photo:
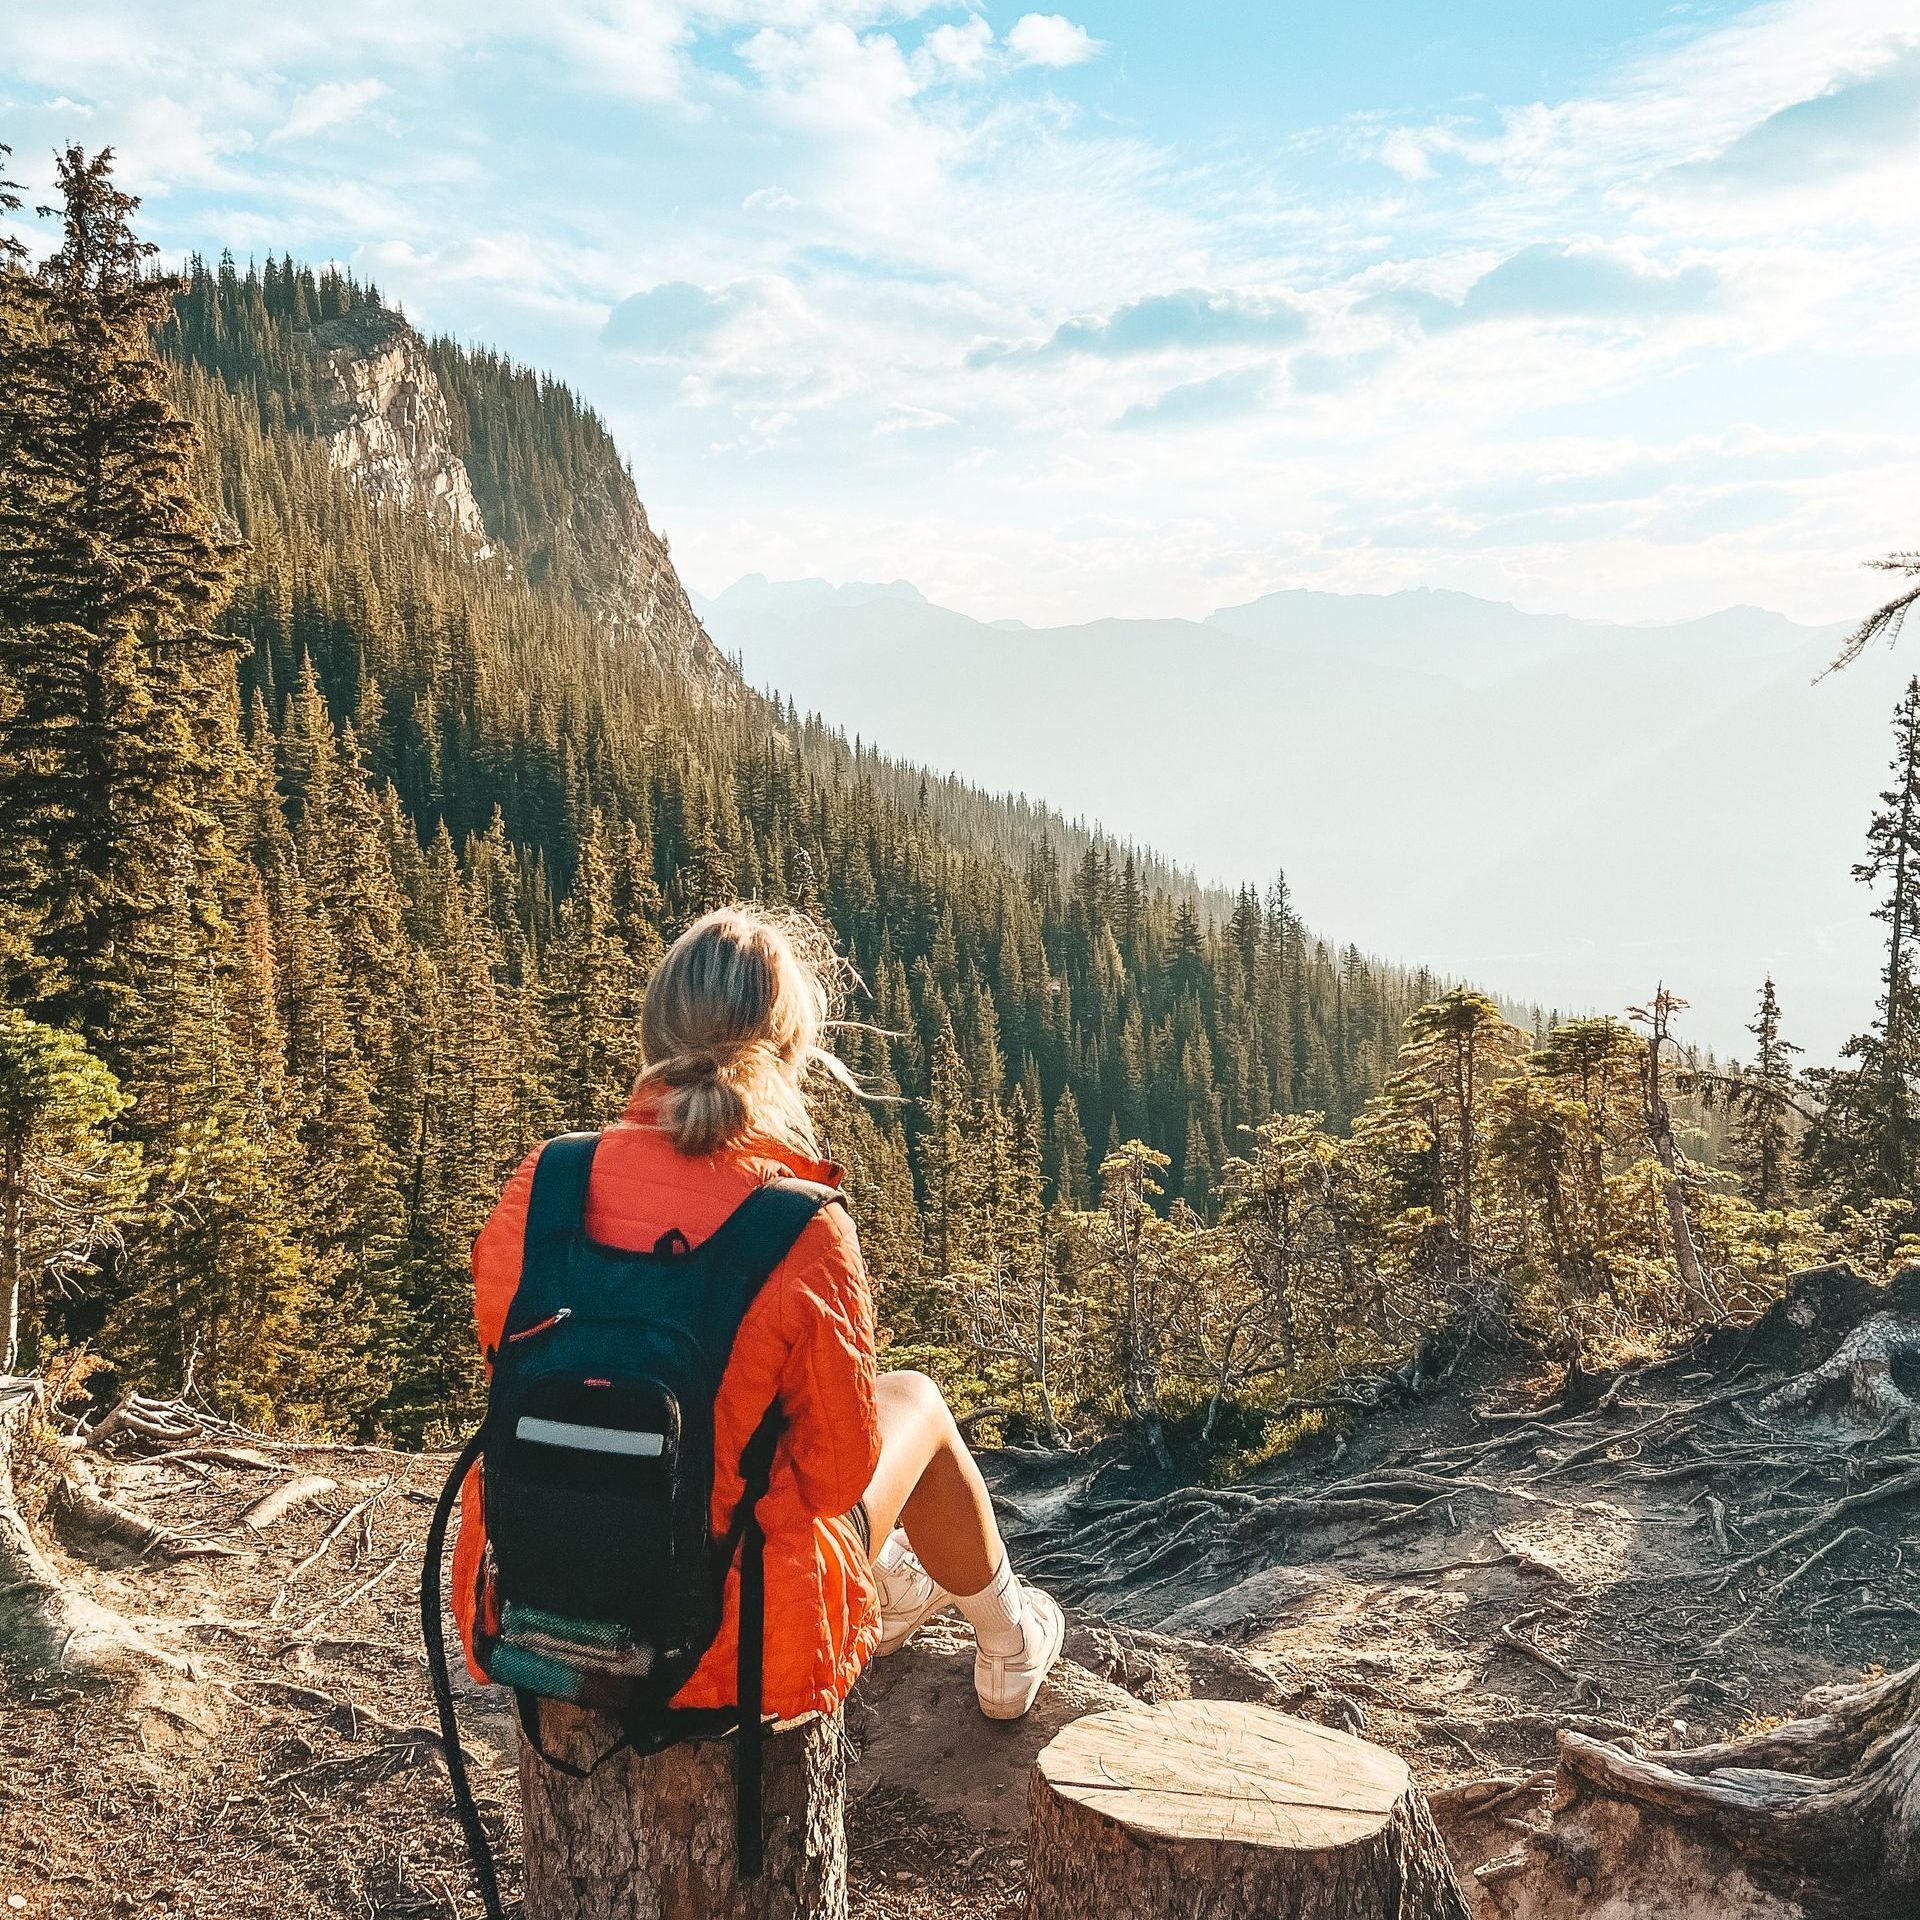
1217 1810
651 1837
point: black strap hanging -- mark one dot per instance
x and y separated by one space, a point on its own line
749 1822
433 1634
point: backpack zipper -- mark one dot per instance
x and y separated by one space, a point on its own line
540 1326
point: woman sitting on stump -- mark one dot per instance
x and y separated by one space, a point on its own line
734 1020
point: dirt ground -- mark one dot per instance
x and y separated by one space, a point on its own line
1458 1578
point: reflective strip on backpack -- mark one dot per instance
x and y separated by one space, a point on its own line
565 1433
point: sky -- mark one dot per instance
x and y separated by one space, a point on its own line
1601 307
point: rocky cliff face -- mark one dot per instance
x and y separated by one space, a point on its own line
385 421
386 424
638 593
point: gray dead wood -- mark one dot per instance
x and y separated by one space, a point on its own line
271 1508
45 1624
1831 1800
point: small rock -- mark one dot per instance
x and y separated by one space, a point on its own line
1343 1714
18 1902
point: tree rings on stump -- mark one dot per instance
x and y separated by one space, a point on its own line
1218 1810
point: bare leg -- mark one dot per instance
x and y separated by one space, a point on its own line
928 1480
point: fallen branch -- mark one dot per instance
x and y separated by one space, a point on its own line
271 1508
305 1631
90 1513
161 1423
247 1458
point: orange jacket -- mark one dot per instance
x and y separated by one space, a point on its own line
807 1338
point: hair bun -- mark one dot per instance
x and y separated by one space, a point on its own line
689 1069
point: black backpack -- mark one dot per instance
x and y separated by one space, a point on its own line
596 1456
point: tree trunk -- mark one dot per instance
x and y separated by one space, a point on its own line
1217 1810
1831 1802
1686 1255
651 1837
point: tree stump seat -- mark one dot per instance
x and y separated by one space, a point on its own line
651 1836
1217 1810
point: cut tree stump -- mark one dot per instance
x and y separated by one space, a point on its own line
1218 1810
651 1837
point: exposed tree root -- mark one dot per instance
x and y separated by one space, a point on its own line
45 1626
1833 1799
271 1508
1860 1382
1897 1488
94 1519
1586 1688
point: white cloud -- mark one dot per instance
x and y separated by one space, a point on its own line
1406 153
904 418
803 215
331 104
960 49
1051 40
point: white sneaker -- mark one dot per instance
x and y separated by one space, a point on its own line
1009 1683
909 1594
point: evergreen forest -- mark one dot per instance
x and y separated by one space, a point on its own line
336 848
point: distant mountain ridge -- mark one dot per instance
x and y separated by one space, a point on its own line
1572 808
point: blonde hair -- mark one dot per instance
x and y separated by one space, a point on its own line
734 1021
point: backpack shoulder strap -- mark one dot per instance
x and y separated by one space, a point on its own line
558 1203
763 1229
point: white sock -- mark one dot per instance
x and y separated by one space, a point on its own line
996 1612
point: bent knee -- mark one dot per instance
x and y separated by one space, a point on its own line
915 1392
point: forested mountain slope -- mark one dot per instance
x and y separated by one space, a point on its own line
480 760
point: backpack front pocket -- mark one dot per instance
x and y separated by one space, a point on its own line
580 1501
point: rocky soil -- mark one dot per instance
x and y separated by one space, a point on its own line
1658 1561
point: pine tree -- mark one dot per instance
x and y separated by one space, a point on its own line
1760 1148
1067 1153
1865 1145
592 993
947 1156
1456 1048
109 576
65 1184
1126 1254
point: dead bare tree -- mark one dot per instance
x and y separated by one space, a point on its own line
1657 1017
1886 620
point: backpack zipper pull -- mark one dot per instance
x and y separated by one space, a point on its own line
541 1326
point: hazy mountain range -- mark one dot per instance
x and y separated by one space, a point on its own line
1564 809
